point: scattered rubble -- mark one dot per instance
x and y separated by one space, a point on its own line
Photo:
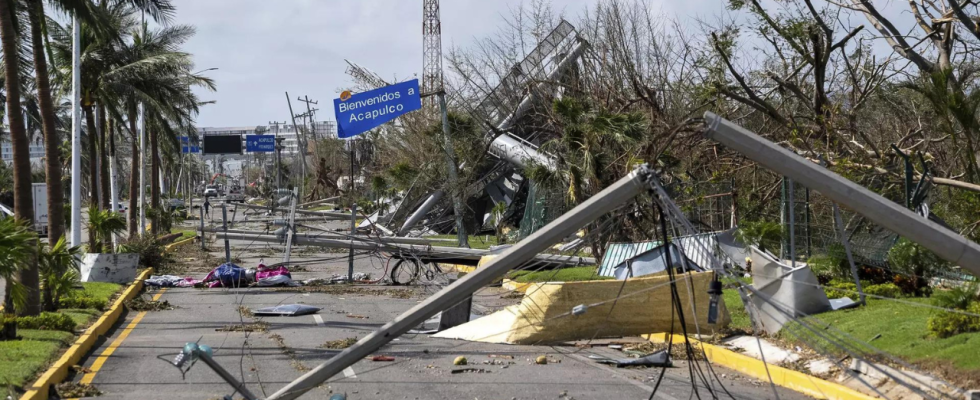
288 352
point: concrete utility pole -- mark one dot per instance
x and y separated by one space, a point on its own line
605 201
301 141
278 153
311 113
890 215
76 133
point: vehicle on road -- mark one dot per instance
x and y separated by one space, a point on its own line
235 194
211 191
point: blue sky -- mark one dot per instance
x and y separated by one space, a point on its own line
264 48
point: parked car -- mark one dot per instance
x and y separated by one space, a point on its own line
211 191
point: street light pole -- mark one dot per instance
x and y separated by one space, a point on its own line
76 134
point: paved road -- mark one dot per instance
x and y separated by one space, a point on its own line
270 359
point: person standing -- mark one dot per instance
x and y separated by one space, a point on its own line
207 207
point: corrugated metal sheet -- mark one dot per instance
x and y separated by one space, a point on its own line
697 248
616 253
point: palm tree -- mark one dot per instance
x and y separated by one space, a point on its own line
23 203
59 270
104 224
56 193
589 141
16 244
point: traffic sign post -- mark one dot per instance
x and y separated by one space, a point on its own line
361 112
260 143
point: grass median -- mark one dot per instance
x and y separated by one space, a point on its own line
902 330
21 361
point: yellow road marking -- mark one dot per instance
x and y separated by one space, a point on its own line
100 361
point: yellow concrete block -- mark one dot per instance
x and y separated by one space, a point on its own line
545 313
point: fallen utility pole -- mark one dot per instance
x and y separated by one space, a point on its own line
609 199
890 215
324 214
318 202
391 246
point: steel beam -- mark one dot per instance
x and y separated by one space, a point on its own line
890 215
609 199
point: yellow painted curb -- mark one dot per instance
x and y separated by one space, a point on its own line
787 378
515 286
457 268
59 370
179 243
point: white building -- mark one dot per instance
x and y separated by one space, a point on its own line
36 148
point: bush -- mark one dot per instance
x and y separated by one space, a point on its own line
765 235
946 324
152 252
837 288
832 264
912 263
889 290
959 297
83 302
47 321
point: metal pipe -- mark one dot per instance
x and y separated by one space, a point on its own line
224 374
224 225
618 193
944 242
420 212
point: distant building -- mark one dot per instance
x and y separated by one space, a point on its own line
324 129
36 148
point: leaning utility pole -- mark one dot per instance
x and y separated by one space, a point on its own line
310 114
432 84
278 154
301 141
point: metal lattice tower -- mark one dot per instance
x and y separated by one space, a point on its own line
431 47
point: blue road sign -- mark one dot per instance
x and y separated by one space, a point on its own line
260 143
186 146
362 112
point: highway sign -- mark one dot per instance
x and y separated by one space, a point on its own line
361 112
187 147
260 143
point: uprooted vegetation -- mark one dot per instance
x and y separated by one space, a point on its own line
257 326
73 390
142 304
288 352
339 344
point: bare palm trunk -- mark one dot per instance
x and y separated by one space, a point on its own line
134 179
23 201
103 161
93 163
52 153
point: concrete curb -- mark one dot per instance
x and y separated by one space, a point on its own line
179 243
59 370
515 286
787 378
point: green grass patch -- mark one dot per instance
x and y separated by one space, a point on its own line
184 233
82 316
740 318
98 290
21 360
902 328
573 274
